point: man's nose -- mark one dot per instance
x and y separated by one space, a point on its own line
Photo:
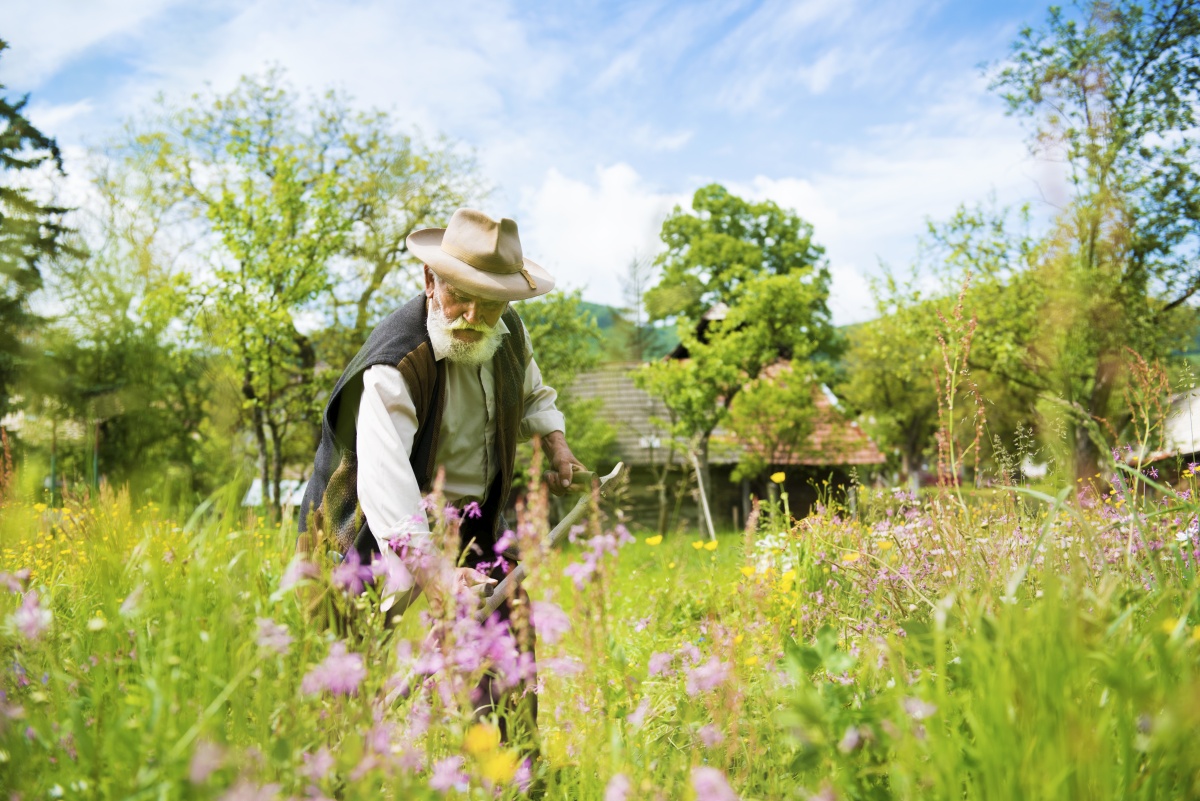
471 315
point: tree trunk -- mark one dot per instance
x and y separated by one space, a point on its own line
1087 450
277 470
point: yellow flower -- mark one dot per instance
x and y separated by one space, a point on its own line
671 566
711 545
853 556
883 545
738 639
789 575
39 507
778 477
655 540
698 544
751 660
748 571
1168 625
1196 633
500 767
482 738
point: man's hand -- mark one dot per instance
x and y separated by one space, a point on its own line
562 462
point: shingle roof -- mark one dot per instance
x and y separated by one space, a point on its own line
631 411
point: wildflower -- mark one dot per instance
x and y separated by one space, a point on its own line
655 540
245 790
853 556
641 625
660 663
549 621
205 759
448 775
751 661
524 776
709 676
711 545
340 673
710 735
738 639
1168 625
618 788
710 785
14 582
298 570
883 545
850 740
472 510
918 709
318 765
748 571
500 767
778 478
671 566
482 738
273 636
637 717
698 544
506 541
31 618
561 665
351 574
129 606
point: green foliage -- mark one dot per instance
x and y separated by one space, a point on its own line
566 342
31 233
772 417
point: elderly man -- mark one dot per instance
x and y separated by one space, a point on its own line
446 381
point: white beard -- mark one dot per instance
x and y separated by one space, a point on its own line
470 353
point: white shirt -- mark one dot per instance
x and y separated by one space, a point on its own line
387 425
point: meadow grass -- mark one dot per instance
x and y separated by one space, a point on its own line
1017 646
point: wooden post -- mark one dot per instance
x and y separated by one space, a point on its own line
712 535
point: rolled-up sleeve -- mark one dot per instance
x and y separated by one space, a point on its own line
387 425
541 414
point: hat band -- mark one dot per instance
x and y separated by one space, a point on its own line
481 264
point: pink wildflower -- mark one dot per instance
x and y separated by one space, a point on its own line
299 569
637 717
710 785
472 510
340 673
14 582
351 574
205 759
918 709
447 774
618 788
31 618
709 676
660 663
561 665
273 636
549 621
710 735
245 790
318 765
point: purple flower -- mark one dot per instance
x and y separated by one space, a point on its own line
710 785
618 788
447 774
273 636
351 574
660 663
506 541
205 759
1153 471
850 740
396 576
637 717
524 775
14 582
641 625
710 735
340 673
472 510
561 665
318 765
451 513
245 790
709 676
549 621
918 709
299 569
31 618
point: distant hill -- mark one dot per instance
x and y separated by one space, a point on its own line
615 330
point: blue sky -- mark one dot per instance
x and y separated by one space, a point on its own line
592 120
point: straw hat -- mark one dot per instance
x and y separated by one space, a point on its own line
480 256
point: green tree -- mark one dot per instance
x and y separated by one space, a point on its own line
772 418
1111 92
566 342
31 232
747 286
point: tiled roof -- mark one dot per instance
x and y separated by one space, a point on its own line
833 441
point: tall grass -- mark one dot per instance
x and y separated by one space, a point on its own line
1021 646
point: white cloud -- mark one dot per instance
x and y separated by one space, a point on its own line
46 35
586 233
49 118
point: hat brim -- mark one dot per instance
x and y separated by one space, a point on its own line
426 245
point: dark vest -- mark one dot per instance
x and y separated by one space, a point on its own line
402 340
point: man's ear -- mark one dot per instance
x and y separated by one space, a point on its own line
428 282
